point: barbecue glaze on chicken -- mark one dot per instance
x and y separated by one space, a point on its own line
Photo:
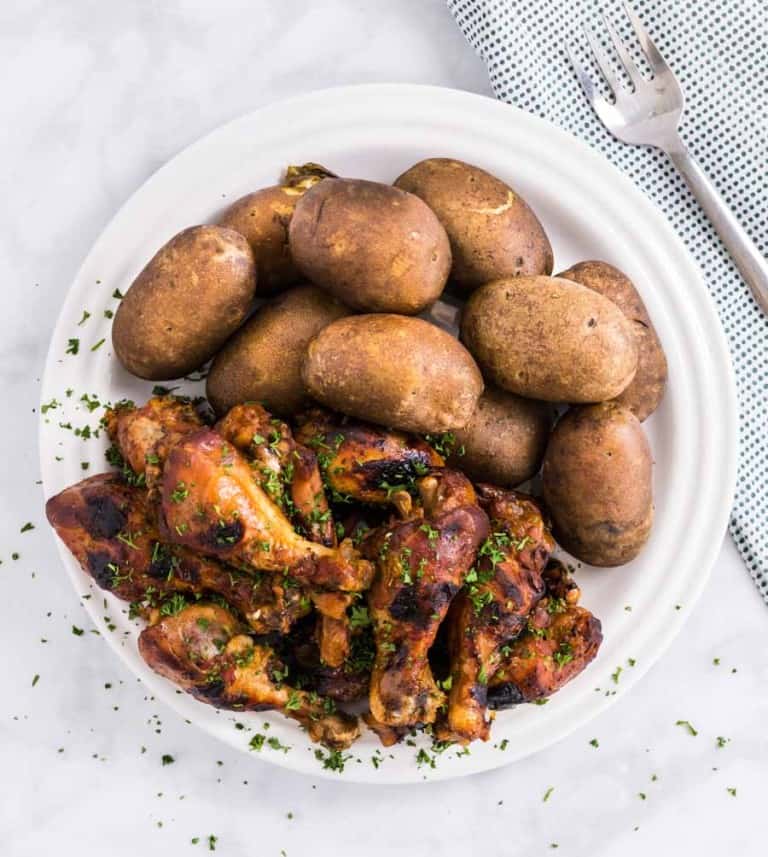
492 609
203 649
421 564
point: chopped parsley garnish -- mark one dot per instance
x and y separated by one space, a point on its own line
294 701
333 760
97 345
179 493
167 759
173 605
548 793
86 316
276 745
27 527
257 742
78 632
73 346
564 655
442 443
687 725
359 617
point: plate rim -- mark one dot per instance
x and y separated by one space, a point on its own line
707 313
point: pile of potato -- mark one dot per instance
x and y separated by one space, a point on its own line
347 266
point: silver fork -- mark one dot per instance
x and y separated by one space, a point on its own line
648 114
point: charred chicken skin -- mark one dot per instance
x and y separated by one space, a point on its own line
110 529
493 607
212 503
560 641
364 462
289 473
224 539
421 564
203 648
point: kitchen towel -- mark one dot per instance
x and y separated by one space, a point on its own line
717 49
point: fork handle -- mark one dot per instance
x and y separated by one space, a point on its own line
750 262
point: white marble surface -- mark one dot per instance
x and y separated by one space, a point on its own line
97 96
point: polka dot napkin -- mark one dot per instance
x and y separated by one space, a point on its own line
717 50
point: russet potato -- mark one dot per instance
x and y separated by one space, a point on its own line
493 232
646 390
597 484
551 339
191 296
400 372
372 246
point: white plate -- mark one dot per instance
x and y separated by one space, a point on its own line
590 210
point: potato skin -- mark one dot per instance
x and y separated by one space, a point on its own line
597 484
191 296
505 439
374 247
400 372
645 392
550 339
262 361
492 230
262 218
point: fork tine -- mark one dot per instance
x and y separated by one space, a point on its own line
602 60
621 49
603 109
655 59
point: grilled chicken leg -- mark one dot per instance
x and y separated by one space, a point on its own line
110 529
204 650
212 503
421 564
288 472
144 436
493 607
365 462
281 462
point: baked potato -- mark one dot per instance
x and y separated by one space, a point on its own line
400 372
505 439
492 230
645 392
191 296
262 218
551 339
262 361
374 247
597 484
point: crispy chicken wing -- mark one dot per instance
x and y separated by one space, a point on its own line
111 531
554 649
204 650
493 607
365 462
421 564
213 503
